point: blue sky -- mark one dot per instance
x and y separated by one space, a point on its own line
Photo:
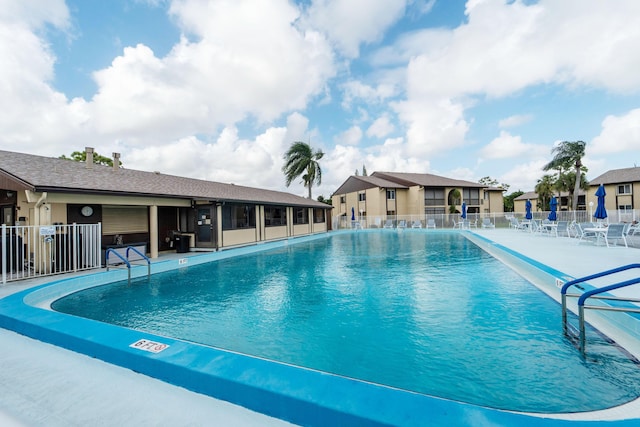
219 89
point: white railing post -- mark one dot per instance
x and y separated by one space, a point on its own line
4 253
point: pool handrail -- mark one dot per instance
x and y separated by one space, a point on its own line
126 261
593 294
143 256
119 255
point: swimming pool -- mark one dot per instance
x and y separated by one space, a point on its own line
427 312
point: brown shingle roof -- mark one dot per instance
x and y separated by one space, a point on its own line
60 175
426 180
618 176
359 183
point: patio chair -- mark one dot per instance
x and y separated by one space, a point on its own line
431 223
388 223
416 224
583 234
633 229
486 223
615 232
563 228
473 224
402 224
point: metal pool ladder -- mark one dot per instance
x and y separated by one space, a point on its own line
126 261
595 294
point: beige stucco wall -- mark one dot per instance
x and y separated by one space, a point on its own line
301 229
415 200
272 233
493 203
402 202
319 227
239 237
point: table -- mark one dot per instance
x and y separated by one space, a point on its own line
598 232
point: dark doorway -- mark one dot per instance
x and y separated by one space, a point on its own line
206 228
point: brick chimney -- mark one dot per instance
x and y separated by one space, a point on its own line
89 159
116 161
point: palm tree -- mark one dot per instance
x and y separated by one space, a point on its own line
569 154
300 159
544 189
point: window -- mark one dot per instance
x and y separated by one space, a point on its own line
471 196
275 216
391 194
624 189
434 211
625 207
318 215
391 213
125 219
301 215
434 197
362 197
238 216
343 199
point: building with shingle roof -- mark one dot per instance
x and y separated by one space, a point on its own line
415 195
39 190
622 187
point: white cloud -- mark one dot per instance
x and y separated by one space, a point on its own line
433 125
515 120
523 176
351 136
358 91
619 134
381 127
223 76
507 46
508 146
348 24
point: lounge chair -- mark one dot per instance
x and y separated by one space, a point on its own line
633 229
431 223
388 223
416 224
486 223
402 224
615 232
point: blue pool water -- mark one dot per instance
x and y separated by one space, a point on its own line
426 312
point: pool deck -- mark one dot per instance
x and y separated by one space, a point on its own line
41 384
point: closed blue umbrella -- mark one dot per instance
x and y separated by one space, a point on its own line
553 204
528 207
464 210
353 214
601 212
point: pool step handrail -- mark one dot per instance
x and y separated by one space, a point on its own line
141 255
125 259
595 294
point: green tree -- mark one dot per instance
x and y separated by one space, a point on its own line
301 160
81 156
364 171
567 155
321 199
508 200
545 188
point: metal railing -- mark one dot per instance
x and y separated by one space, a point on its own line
500 220
127 259
32 251
595 294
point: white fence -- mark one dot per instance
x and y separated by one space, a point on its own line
500 220
32 251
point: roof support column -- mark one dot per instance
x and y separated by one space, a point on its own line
153 231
